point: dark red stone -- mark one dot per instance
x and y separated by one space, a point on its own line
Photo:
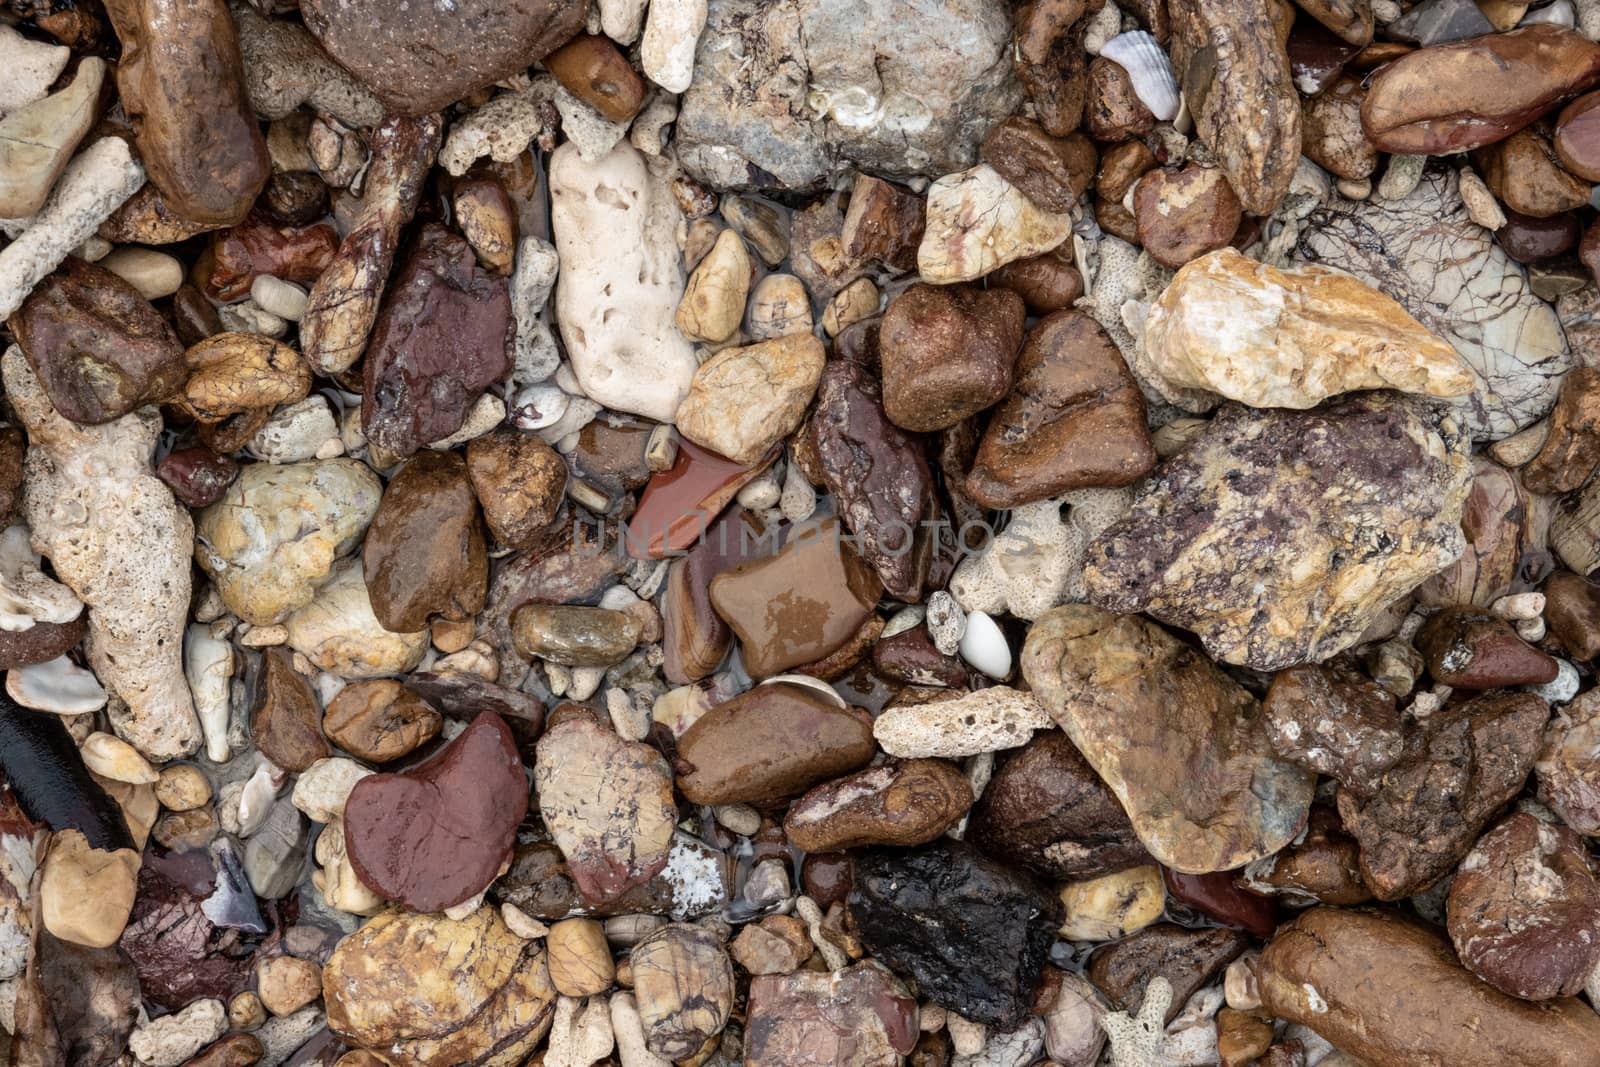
257 246
442 337
1531 240
437 834
1472 650
826 877
911 657
678 505
196 475
1216 896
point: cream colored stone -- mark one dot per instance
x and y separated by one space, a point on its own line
1113 905
671 30
322 788
85 894
779 307
337 881
27 68
1290 338
245 1011
980 721
1482 207
713 301
851 304
977 221
744 400
37 141
286 984
57 685
182 787
117 537
620 283
111 757
338 632
580 958
172 1039
154 274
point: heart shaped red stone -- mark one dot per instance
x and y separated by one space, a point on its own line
437 834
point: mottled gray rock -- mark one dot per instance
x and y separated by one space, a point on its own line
791 93
1447 271
1279 536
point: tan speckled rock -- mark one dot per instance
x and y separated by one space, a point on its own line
427 990
977 221
1367 493
743 400
339 633
1290 338
272 539
116 536
1182 745
993 718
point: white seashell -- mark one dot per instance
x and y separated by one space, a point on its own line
57 685
806 681
1148 67
984 646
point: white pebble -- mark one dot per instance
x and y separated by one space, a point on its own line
278 297
154 274
983 645
1519 606
946 622
1563 688
1531 629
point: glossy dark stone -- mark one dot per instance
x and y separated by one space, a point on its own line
424 553
196 475
258 246
1216 896
1532 240
52 786
285 722
972 933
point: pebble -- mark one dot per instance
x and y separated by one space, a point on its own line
713 301
38 137
172 1039
86 893
321 790
683 985
983 645
947 353
902 804
744 400
111 757
338 632
424 552
1112 906
977 221
286 984
997 717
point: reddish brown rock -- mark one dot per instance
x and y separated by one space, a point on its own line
947 353
770 743
613 453
1113 111
1572 611
799 605
1323 867
1392 993
1053 172
910 657
594 71
1568 772
862 1016
1187 959
1075 419
284 721
1524 174
1572 449
878 474
99 348
900 803
1500 524
1183 214
680 503
257 246
196 475
424 553
1120 167
421 60
694 638
1046 283
380 719
1524 910
613 819
1242 1037
1460 765
883 223
1334 139
519 481
1471 650
435 835
1218 897
13 452
1334 720
1468 93
1527 239
442 337
234 1050
1047 810
1577 137
181 81
41 642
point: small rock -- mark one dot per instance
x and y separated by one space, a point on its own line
31 67
338 632
424 552
1333 720
111 757
286 984
172 1039
1112 906
438 833
1113 110
182 787
519 481
285 717
275 854
713 301
1567 772
1053 172
1185 213
615 830
997 717
1524 174
37 139
580 958
1323 867
594 70
742 401
574 636
1572 448
947 353
884 223
1471 650
321 790
977 221
1334 139
898 803
972 933
85 893
684 984
380 720
778 944
862 1016
1187 960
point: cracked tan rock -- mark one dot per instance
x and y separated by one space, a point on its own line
742 401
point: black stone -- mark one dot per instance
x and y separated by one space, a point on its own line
971 932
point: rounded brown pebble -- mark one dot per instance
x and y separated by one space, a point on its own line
519 481
380 719
947 353
1577 136
1051 171
234 1050
1183 214
424 553
286 984
285 720
1527 239
1046 283
596 72
1114 111
580 958
573 635
901 803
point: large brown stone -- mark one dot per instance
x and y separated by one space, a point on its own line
1391 992
442 336
421 59
425 989
947 353
1458 768
799 605
424 553
1074 420
1524 910
1468 93
862 1016
380 719
900 803
100 350
1046 809
1183 214
1366 494
1182 746
770 743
